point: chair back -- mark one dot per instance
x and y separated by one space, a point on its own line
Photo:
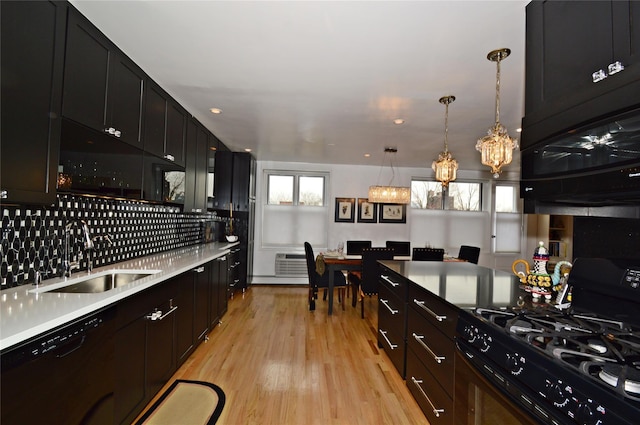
370 268
400 247
469 253
428 254
356 247
311 264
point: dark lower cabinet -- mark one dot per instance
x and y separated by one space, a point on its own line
201 302
185 340
32 59
145 347
219 290
392 307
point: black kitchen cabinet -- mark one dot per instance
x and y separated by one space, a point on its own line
145 347
185 339
575 52
235 264
392 318
235 180
103 88
32 62
196 167
165 125
219 293
201 282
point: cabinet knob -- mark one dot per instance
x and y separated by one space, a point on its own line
4 194
170 157
117 133
599 75
615 67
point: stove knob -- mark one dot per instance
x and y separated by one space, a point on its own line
585 415
513 364
556 395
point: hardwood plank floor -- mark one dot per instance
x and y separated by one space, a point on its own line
279 363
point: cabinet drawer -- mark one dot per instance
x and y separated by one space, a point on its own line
391 310
394 345
432 399
396 283
432 347
438 312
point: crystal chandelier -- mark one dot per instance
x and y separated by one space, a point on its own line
497 146
445 167
389 194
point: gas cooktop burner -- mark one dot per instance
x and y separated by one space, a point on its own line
612 373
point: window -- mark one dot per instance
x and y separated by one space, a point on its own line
429 194
506 199
293 188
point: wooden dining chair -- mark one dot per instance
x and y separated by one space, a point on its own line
469 253
428 254
317 280
371 272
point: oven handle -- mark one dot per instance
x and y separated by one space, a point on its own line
417 383
437 317
419 338
384 335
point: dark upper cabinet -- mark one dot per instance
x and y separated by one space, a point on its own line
223 180
196 167
575 51
165 125
103 89
32 60
235 180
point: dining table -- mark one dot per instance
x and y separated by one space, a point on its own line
354 263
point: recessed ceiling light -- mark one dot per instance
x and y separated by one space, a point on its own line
247 149
216 110
518 130
398 121
367 155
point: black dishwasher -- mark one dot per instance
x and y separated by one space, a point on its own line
65 375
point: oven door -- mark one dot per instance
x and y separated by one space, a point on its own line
478 401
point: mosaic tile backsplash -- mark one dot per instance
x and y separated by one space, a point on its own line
33 238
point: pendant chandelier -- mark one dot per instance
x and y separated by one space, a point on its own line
389 194
445 167
497 146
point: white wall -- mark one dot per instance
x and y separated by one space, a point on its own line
445 229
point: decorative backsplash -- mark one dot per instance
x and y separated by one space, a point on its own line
33 238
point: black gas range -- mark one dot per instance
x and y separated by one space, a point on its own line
580 365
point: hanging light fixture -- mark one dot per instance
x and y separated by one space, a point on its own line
497 146
445 167
389 194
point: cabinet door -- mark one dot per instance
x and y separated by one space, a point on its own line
86 72
175 133
130 376
184 317
32 59
201 313
568 44
155 112
223 180
125 98
160 353
242 168
196 167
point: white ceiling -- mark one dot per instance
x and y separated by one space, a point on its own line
322 82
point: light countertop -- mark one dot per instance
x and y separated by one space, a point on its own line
28 310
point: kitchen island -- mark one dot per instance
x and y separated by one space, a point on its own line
418 307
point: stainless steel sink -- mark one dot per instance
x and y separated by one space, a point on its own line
102 281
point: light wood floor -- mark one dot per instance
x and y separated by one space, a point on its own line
279 363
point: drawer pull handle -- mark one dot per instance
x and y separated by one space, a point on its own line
391 282
437 317
199 269
384 335
386 304
419 338
417 383
157 315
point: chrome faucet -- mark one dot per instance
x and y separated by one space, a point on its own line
67 265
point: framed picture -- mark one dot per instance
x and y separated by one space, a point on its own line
367 211
345 210
392 213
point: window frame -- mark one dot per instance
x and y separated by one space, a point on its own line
444 204
296 186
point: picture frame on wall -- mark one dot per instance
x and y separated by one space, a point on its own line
345 210
392 213
367 211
